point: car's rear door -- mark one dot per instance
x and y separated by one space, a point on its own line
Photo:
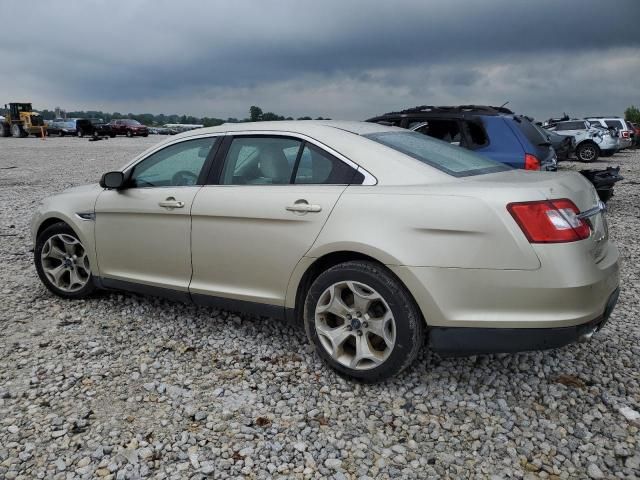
143 232
270 197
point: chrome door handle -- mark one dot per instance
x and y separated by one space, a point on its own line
171 203
301 207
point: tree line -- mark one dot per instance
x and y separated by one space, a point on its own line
255 115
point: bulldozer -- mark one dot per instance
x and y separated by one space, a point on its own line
21 121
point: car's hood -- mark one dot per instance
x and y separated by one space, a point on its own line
81 189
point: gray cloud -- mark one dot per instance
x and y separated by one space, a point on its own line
343 59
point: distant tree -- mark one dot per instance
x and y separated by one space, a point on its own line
270 116
305 118
232 120
632 114
255 113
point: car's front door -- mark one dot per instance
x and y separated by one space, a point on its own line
272 198
143 231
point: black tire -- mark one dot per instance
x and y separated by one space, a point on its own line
80 133
4 130
145 134
61 133
409 324
587 152
129 133
17 131
46 234
112 135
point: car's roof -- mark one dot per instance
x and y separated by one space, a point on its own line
308 127
342 137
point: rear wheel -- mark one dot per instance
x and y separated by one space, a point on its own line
61 133
587 152
362 321
17 131
129 133
80 133
62 263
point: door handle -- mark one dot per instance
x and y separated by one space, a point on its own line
171 202
301 206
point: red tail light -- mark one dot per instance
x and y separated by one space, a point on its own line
549 221
531 162
625 134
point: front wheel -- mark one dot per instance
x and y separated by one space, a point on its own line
362 321
129 133
587 152
62 263
17 131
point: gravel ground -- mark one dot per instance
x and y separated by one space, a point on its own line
123 386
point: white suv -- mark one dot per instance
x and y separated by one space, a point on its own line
623 130
591 142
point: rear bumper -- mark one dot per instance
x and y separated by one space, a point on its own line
569 289
457 341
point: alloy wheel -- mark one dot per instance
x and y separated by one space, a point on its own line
355 325
65 263
588 153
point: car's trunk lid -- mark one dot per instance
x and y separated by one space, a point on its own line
557 185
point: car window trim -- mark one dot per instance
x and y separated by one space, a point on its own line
216 170
204 171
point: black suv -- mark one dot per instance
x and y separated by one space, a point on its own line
94 127
495 132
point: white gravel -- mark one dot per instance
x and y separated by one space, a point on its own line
123 386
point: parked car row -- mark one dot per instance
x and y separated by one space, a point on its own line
96 127
595 136
516 140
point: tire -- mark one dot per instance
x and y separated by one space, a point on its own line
391 310
4 130
112 135
145 134
80 133
17 131
129 133
587 152
61 133
52 257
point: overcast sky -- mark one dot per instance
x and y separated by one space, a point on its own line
345 59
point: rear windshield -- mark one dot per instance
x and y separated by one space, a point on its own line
445 157
570 126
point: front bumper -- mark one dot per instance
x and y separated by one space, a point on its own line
453 341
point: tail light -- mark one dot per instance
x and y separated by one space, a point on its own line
549 221
531 162
625 134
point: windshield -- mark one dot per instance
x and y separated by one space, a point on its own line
445 157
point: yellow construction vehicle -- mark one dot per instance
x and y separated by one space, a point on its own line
22 121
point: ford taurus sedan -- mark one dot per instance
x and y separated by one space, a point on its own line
379 240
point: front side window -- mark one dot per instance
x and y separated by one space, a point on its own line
443 156
178 165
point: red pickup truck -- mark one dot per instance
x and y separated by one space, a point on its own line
128 127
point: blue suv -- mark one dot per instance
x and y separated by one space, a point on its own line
495 132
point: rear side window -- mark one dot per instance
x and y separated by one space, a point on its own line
446 130
530 131
443 156
264 160
318 167
614 124
570 126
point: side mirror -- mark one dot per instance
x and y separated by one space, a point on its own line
114 180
